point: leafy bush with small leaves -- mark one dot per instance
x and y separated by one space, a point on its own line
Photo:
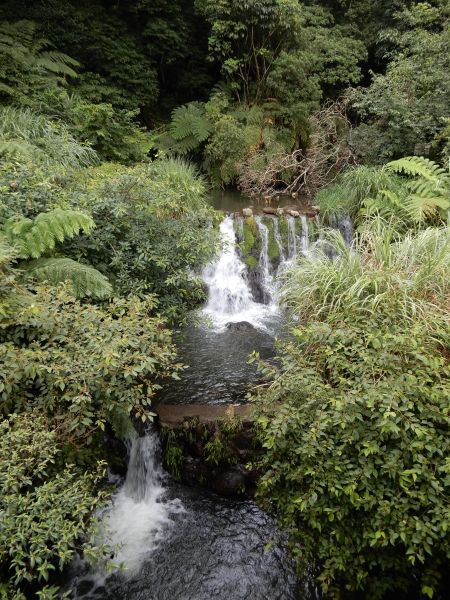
152 231
46 508
356 420
82 364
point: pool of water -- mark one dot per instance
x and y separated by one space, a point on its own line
217 363
216 549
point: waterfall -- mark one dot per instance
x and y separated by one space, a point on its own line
345 226
278 240
230 299
305 233
139 516
264 263
292 238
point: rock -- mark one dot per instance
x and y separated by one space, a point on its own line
194 471
247 212
280 211
229 482
240 326
293 213
269 210
316 208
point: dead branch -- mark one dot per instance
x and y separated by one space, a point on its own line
306 170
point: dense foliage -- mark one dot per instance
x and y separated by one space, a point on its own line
105 108
356 421
76 372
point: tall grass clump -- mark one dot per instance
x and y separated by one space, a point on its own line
345 196
30 136
177 186
410 275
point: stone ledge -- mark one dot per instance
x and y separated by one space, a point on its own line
173 415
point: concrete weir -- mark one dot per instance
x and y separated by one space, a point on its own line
174 415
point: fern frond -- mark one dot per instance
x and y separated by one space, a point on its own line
429 189
421 208
58 63
33 238
84 280
417 166
190 122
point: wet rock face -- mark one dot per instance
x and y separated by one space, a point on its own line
257 285
214 455
229 482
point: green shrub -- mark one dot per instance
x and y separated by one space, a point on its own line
152 231
81 364
46 510
356 420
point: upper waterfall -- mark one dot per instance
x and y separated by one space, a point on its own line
230 298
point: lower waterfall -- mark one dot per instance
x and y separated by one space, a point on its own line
139 515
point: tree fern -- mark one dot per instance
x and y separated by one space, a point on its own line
57 63
33 238
188 128
33 56
84 279
418 166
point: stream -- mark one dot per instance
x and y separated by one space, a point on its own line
182 543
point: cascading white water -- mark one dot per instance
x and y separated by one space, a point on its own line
292 238
230 299
305 233
264 263
140 516
345 226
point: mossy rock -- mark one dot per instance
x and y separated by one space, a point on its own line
313 230
273 251
284 230
251 262
251 245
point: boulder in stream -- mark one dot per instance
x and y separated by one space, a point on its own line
247 212
269 210
240 326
